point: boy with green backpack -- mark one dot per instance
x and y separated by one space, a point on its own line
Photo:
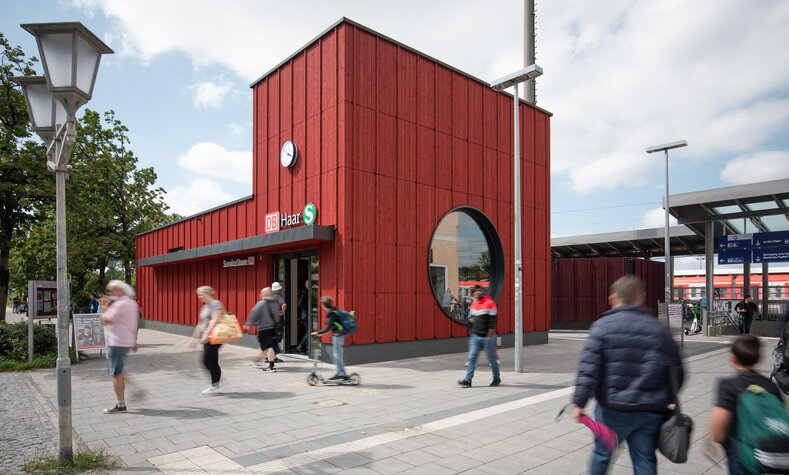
749 419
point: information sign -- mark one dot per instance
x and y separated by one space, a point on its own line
734 256
773 239
773 254
734 241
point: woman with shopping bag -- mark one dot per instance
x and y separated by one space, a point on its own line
210 313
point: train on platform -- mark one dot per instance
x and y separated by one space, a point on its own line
689 285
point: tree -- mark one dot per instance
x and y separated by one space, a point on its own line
25 184
116 200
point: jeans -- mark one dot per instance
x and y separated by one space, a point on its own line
476 344
211 362
337 341
745 325
639 429
735 465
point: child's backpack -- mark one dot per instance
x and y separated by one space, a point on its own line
762 439
347 324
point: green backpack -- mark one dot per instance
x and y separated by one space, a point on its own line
762 431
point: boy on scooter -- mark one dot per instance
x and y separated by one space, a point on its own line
334 323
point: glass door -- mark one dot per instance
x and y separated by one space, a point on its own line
298 275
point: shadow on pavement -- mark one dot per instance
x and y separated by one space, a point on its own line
257 395
180 412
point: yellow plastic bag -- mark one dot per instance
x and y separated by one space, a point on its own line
226 330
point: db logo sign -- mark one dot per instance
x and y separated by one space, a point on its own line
272 222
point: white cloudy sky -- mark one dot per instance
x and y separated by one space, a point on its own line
619 76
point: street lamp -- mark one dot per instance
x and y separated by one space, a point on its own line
667 240
525 74
70 54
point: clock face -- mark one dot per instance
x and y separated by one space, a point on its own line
287 155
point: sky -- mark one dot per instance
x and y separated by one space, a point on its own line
619 76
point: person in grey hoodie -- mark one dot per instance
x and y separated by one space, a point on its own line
263 316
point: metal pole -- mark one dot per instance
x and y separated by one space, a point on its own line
709 252
517 209
667 242
65 450
529 54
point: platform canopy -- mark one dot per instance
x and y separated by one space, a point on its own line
645 243
765 205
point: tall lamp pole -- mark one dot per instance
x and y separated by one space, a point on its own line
667 239
526 74
70 54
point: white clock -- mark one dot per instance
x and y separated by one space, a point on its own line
288 154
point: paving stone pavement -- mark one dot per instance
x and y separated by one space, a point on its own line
406 416
27 430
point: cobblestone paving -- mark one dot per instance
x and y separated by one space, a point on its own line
27 431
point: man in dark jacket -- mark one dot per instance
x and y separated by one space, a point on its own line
746 309
625 367
263 316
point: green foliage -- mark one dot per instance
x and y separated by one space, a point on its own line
13 347
25 185
13 340
85 459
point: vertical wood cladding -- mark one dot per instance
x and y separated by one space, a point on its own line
389 142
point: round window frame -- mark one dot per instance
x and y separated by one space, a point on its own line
493 240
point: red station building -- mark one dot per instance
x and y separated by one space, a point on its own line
382 178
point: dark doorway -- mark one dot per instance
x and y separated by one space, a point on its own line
298 275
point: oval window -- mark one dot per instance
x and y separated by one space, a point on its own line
465 251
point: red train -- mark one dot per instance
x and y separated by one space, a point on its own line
689 285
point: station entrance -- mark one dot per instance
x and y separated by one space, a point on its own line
298 275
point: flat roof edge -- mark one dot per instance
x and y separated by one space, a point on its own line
730 193
187 218
253 243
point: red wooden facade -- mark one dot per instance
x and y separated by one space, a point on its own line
581 286
389 141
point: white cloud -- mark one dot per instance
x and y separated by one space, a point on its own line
207 158
760 166
210 94
236 129
656 218
201 194
619 75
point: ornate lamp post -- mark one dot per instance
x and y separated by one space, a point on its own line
70 54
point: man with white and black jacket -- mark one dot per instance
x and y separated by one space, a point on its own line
625 367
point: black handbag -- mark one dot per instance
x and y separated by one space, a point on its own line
674 436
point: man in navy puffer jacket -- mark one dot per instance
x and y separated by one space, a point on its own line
624 366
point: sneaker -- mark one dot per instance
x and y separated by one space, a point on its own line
271 370
117 408
336 377
211 391
464 383
495 382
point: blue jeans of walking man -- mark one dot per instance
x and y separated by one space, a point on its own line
337 341
477 343
639 429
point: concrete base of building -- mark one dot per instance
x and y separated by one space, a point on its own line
758 327
570 325
373 353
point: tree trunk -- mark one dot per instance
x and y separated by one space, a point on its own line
4 278
102 266
127 271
